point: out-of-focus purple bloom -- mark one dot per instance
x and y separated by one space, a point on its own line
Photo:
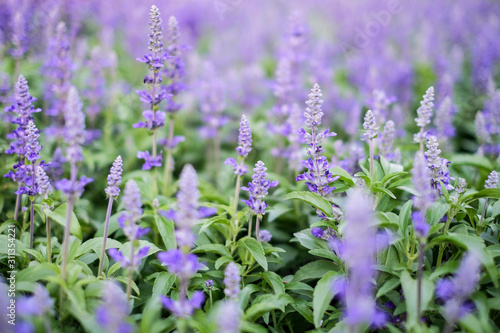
32 146
420 225
422 183
40 304
258 189
228 317
424 113
96 83
455 291
359 253
174 69
74 127
184 308
387 141
379 104
43 183
317 232
149 161
55 168
68 188
438 167
370 126
209 284
317 176
492 180
152 121
115 178
294 122
19 38
462 185
131 263
179 263
171 144
265 236
244 138
352 153
232 281
239 169
128 220
187 198
444 119
112 314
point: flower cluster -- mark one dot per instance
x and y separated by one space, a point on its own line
115 178
174 69
112 313
438 167
424 200
424 113
179 261
40 304
492 180
387 142
232 280
258 189
317 176
444 119
244 147
370 127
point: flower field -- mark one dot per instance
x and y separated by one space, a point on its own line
225 166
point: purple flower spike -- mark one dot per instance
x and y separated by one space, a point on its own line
370 127
149 161
240 170
74 127
244 138
265 236
70 189
438 167
258 189
424 114
492 180
112 314
179 263
232 281
387 141
32 146
115 178
40 304
43 183
228 317
184 308
209 284
133 203
172 144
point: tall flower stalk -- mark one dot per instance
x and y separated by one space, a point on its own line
370 134
174 72
491 182
24 109
155 119
74 135
180 261
424 115
113 190
257 190
244 147
45 189
128 222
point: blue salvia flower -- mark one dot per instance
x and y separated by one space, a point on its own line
492 180
424 200
462 185
43 183
455 291
115 178
179 261
244 147
40 304
265 236
444 119
113 311
228 317
379 104
359 252
317 176
174 69
258 189
33 148
370 127
424 115
387 141
232 280
438 167
294 154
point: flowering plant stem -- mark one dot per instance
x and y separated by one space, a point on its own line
483 212
419 281
257 226
371 159
67 228
235 205
167 171
250 220
18 203
105 235
49 242
130 273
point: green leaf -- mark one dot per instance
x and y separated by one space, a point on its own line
304 311
313 199
214 248
383 190
216 219
166 228
314 270
388 286
404 215
391 176
222 260
265 303
275 281
472 160
127 247
343 175
256 250
96 245
163 284
486 193
322 297
409 286
59 216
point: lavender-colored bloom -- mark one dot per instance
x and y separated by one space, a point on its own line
317 232
32 146
149 161
444 119
228 317
359 253
438 167
126 262
43 183
239 169
420 225
209 284
387 141
188 198
232 281
456 290
112 314
154 120
68 188
370 127
40 304
74 127
462 185
115 178
171 144
379 104
174 69
179 263
422 183
265 236
258 189
184 308
244 138
492 180
128 220
55 168
424 113
318 176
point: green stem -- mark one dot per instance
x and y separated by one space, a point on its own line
18 203
257 227
419 281
442 247
167 172
371 159
49 241
130 273
483 213
235 205
67 228
250 225
105 235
